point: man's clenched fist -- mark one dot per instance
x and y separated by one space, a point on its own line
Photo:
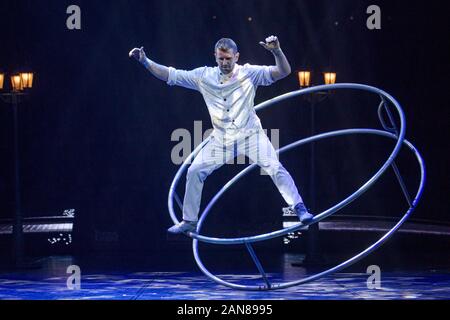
138 54
271 43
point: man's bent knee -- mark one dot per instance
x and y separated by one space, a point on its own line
197 172
274 169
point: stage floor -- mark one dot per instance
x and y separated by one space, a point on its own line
49 283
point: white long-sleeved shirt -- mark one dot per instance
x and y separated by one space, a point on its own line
229 98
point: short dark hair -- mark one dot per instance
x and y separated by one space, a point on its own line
226 44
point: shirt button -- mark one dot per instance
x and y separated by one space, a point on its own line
228 110
233 121
221 83
224 99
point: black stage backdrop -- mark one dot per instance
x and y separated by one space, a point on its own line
95 133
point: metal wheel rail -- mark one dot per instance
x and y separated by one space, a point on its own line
391 132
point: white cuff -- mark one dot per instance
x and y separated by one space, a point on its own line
172 79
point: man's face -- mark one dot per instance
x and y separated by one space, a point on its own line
226 60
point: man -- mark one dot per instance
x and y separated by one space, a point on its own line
229 91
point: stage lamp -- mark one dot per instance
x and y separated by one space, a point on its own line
304 78
2 80
329 77
16 82
27 79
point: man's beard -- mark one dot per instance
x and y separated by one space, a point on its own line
226 70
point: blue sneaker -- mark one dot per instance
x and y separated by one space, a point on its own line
183 227
302 213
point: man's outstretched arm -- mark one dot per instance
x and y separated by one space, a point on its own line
282 68
159 71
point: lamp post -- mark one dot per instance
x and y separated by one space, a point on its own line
313 99
20 83
313 256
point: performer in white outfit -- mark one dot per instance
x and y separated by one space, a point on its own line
229 91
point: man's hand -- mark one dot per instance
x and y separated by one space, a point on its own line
138 54
282 67
271 43
159 71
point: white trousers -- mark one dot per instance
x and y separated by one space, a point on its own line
257 147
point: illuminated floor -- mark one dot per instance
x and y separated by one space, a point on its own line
49 283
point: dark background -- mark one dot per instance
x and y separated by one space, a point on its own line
95 133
